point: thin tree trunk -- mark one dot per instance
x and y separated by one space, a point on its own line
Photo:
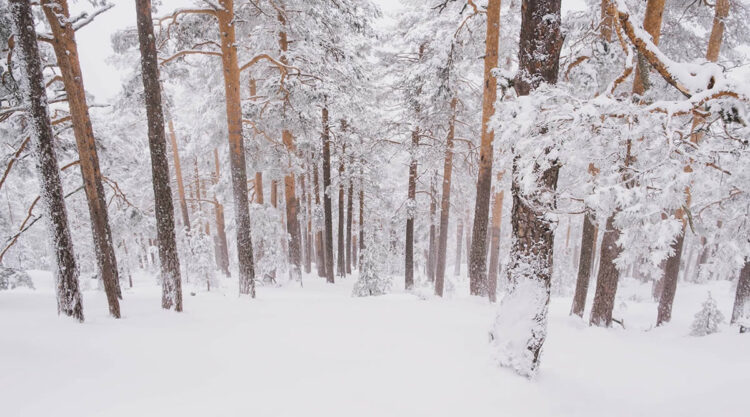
341 251
66 274
478 263
431 249
178 174
307 247
445 205
225 16
459 244
66 51
532 251
319 247
588 242
741 310
410 209
349 218
497 219
327 197
361 219
221 235
164 209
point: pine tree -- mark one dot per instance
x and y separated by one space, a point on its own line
708 319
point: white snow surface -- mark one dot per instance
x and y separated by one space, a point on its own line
317 351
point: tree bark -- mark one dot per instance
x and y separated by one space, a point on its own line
231 71
497 219
307 247
66 51
361 219
607 277
53 199
669 281
445 205
349 210
178 174
327 197
221 235
319 247
741 308
411 207
341 251
588 242
652 25
459 243
292 207
164 208
478 263
431 249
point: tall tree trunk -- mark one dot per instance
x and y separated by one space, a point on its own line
66 51
741 310
221 235
607 277
53 199
431 249
341 251
445 206
410 211
459 243
478 264
652 25
164 209
292 207
349 210
588 242
531 254
319 247
307 247
361 218
497 220
231 72
327 196
178 174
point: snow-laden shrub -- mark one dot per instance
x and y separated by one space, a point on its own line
373 279
13 278
201 246
708 319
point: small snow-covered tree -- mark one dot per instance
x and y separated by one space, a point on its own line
373 278
708 319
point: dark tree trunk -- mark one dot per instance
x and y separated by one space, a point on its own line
164 209
478 251
497 218
320 259
66 51
607 278
588 242
327 197
307 247
671 273
445 205
292 211
341 251
531 254
741 308
410 209
349 209
431 248
459 243
361 221
53 199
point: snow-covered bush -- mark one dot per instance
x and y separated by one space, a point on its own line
203 266
373 279
708 319
13 278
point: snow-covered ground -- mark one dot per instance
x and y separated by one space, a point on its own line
316 351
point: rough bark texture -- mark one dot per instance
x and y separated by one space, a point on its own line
341 251
741 310
66 273
292 208
327 197
307 222
411 203
717 30
431 248
320 259
497 219
178 174
238 167
222 247
459 244
164 209
588 242
349 209
607 277
66 52
478 263
669 280
531 254
445 205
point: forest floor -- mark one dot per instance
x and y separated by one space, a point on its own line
317 351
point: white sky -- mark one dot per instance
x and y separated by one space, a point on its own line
94 46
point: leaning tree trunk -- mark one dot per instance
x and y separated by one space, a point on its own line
478 263
497 220
327 196
66 51
410 209
225 16
588 242
531 255
445 205
341 252
53 199
164 209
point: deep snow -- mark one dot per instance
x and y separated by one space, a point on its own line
317 351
